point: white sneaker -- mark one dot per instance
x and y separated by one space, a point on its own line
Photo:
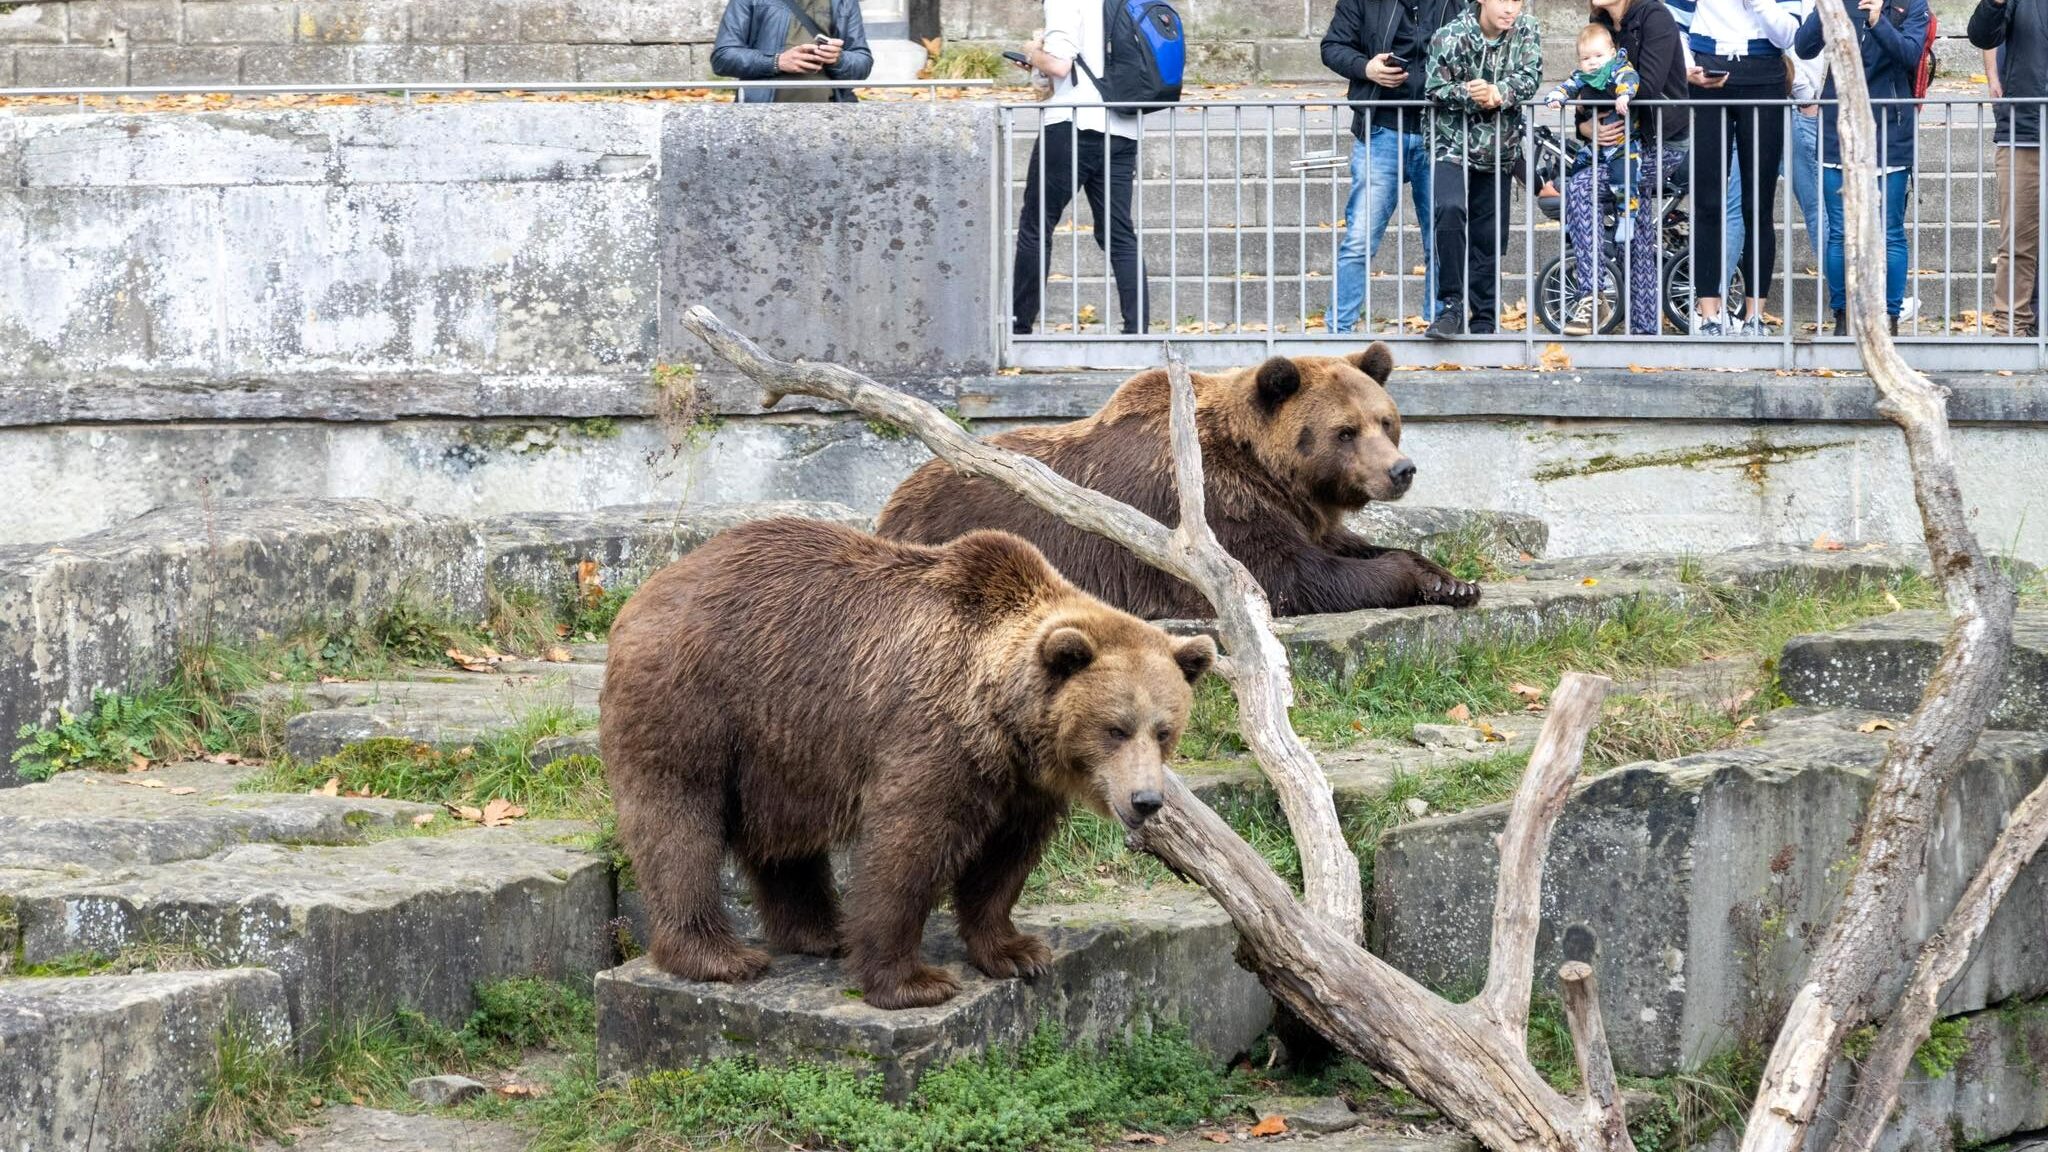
1706 326
1580 318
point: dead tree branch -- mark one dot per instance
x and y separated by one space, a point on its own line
1581 993
1257 667
1464 1059
1858 951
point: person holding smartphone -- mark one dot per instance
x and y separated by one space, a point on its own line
1735 51
1380 46
799 39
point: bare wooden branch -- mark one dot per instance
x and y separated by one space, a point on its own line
1581 994
1942 959
1257 668
1524 842
1857 952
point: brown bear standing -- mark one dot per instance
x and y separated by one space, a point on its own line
794 685
1287 449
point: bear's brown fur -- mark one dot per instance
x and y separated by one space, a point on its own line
1288 448
793 685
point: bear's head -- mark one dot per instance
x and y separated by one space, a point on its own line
1116 694
1327 428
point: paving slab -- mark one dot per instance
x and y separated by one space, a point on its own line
353 1129
1883 664
431 707
1161 956
83 822
1752 567
355 932
112 1063
1693 885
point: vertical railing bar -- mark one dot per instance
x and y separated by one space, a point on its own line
1272 174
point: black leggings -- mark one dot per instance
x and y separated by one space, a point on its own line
1758 133
1062 161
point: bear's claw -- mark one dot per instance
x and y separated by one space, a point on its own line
922 988
1022 956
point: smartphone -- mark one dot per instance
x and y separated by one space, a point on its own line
1398 61
1716 73
1018 58
821 40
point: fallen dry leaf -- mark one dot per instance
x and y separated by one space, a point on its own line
469 662
1529 693
556 655
147 783
1879 725
1747 722
423 819
1893 601
137 762
1270 1126
1143 1138
331 788
501 812
529 1091
225 758
1488 735
181 791
1590 581
1460 714
1216 1137
465 812
332 680
1827 543
1554 358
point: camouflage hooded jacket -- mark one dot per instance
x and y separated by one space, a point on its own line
1464 133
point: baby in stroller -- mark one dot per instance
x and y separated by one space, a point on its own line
1605 75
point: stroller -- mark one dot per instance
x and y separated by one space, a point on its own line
1557 284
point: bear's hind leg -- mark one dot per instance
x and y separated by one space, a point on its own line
799 908
676 839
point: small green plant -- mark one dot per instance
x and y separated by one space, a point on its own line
885 430
515 1015
969 63
590 610
116 730
254 1093
413 631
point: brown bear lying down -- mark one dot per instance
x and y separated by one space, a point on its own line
1288 448
794 685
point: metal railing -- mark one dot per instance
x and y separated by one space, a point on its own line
84 96
1238 217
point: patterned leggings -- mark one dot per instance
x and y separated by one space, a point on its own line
1581 212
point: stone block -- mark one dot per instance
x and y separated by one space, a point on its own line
408 64
144 159
33 24
1335 646
538 552
113 1063
450 709
913 215
1883 664
1503 537
621 22
1294 60
635 62
239 22
356 933
6 67
112 23
512 63
1163 957
353 21
1995 1090
110 609
296 65
467 21
99 823
1694 886
353 1129
178 66
69 67
1221 62
495 143
1248 19
1010 21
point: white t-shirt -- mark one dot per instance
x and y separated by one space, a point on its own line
1074 28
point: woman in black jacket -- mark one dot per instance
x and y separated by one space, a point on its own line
1645 30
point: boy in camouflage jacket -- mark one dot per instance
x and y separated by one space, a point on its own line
1482 67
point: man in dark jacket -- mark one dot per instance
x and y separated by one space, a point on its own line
2020 27
1365 39
798 39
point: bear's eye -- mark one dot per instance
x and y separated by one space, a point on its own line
1164 735
1119 733
1386 425
1347 435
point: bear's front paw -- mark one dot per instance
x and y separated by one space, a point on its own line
923 987
693 960
1019 956
1435 585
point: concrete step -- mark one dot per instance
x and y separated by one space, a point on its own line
1751 568
1163 956
1683 882
113 1063
432 707
355 932
1883 664
354 1129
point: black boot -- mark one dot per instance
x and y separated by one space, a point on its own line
1895 326
1841 321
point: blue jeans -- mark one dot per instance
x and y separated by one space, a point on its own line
1805 161
1378 166
1894 239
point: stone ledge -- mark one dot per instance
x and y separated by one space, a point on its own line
113 1063
1164 956
1883 664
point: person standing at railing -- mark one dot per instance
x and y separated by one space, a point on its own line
2020 29
1645 30
1365 39
1080 145
1889 34
1735 51
799 39
1483 67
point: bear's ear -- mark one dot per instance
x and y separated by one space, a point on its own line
1376 361
1278 381
1065 651
1194 655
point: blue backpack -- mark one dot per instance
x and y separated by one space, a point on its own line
1144 54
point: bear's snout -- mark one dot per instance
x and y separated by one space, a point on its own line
1402 474
1144 803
